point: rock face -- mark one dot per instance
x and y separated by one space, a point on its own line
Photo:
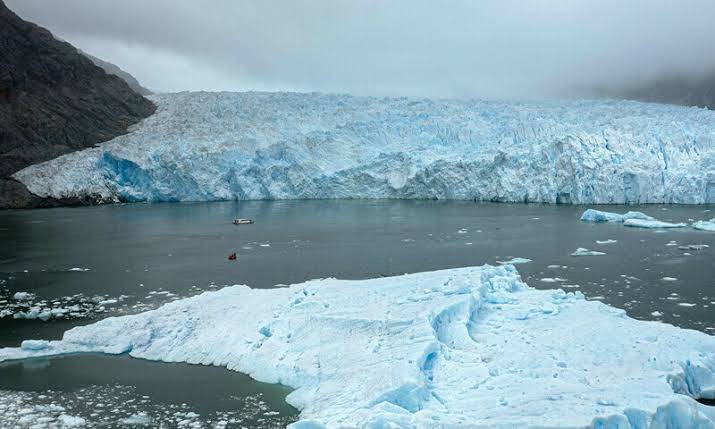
53 100
116 71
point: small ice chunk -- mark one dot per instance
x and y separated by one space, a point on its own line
705 225
552 279
686 304
642 223
69 421
136 419
34 345
669 279
656 313
514 261
79 269
609 241
582 251
22 296
693 247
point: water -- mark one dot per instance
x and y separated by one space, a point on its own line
143 255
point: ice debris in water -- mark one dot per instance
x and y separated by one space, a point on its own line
592 215
227 146
582 251
705 225
79 269
446 348
640 223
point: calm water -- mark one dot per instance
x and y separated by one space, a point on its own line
143 255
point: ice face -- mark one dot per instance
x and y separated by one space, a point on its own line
467 347
225 146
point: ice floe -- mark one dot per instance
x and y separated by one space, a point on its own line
582 251
468 347
641 223
609 241
705 225
514 261
592 215
227 146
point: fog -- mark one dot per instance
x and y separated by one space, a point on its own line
483 49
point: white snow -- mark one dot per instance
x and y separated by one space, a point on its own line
592 215
224 146
582 251
468 347
705 225
640 223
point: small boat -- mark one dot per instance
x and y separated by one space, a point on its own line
241 221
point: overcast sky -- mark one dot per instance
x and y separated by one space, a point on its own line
494 49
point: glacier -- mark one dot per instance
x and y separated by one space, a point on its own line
470 347
237 146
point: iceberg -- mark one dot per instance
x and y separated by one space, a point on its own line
641 223
467 347
592 215
202 146
582 251
705 225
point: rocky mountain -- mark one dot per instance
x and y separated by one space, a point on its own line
116 71
53 100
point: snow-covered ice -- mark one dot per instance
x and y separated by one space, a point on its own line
582 251
592 215
705 225
468 347
641 223
225 146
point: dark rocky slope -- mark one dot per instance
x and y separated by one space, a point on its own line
53 100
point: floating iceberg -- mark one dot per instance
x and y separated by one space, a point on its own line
705 225
592 215
582 251
641 223
225 146
515 261
469 347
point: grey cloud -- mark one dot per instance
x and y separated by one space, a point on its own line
496 49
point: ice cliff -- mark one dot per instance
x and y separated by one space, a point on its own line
223 146
470 347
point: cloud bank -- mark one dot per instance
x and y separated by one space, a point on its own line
466 49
